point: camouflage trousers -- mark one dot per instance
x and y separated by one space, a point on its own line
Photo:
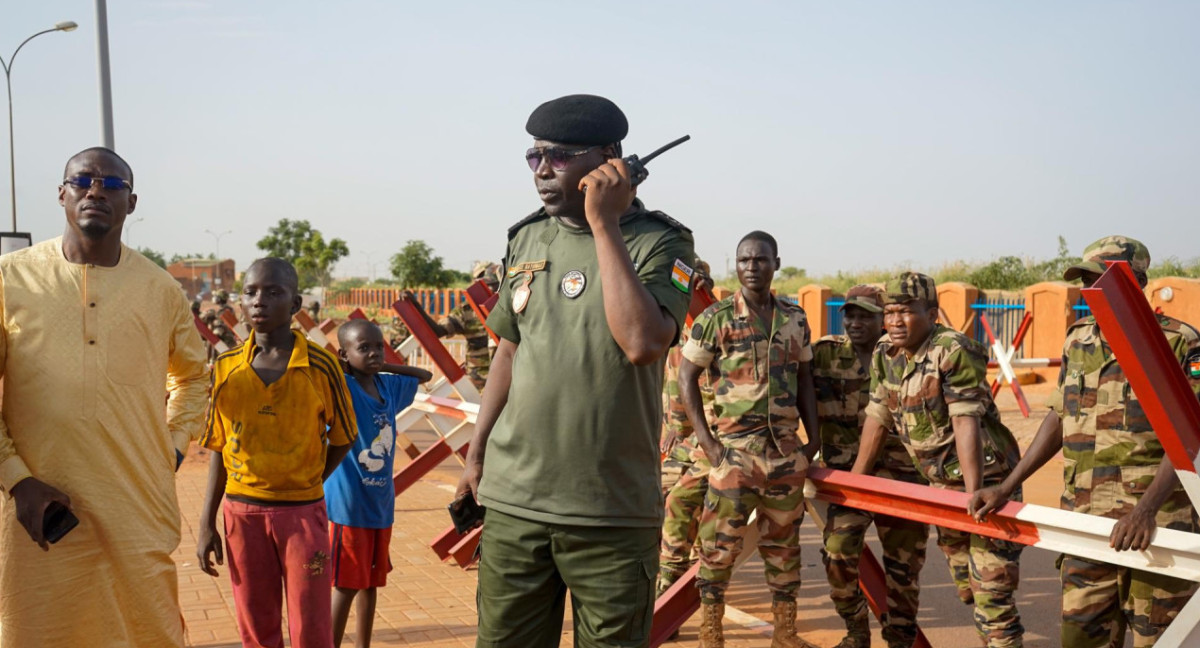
903 543
1100 600
743 482
476 373
989 569
681 524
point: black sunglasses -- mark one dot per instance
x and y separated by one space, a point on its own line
557 158
111 183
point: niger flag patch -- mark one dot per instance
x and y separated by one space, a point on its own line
681 275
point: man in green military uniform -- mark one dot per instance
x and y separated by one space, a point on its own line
759 346
463 321
567 435
1113 466
929 384
841 376
685 468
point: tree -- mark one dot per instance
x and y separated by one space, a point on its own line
416 266
304 247
318 257
791 272
154 256
1053 269
175 258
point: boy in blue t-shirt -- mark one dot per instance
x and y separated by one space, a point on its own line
360 495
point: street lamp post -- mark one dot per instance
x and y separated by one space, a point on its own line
217 272
64 26
218 238
128 228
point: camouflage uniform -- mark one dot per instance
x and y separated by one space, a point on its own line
684 474
756 419
1110 456
917 397
843 392
463 321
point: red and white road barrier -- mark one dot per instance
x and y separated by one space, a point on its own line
313 330
453 419
1027 363
210 337
702 298
436 351
1004 357
482 299
231 322
1173 553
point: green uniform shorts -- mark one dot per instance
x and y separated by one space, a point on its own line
527 567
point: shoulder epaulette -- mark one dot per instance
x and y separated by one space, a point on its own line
537 215
719 305
829 339
668 220
1178 326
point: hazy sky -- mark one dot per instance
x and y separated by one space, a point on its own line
861 134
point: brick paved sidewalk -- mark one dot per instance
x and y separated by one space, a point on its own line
425 602
429 603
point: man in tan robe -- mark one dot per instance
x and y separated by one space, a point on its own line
104 387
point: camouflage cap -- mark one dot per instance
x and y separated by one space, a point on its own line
866 297
1110 248
908 286
484 268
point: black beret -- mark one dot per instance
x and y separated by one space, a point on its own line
578 119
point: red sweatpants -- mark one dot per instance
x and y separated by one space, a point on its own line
273 549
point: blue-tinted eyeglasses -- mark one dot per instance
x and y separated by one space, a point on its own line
111 183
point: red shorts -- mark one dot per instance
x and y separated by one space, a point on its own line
360 556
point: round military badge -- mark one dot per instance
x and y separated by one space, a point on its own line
520 298
573 283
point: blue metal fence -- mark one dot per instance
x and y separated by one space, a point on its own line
1004 314
835 316
1081 309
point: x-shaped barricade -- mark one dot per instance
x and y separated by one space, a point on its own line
205 332
1004 359
450 543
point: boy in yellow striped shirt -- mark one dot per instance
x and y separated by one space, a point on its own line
281 420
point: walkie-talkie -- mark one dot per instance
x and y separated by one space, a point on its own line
637 167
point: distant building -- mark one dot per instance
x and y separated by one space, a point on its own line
203 277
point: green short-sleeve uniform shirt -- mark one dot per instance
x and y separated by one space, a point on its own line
918 396
577 442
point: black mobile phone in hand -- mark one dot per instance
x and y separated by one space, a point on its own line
57 521
466 513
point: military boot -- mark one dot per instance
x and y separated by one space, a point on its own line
712 635
858 633
785 626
